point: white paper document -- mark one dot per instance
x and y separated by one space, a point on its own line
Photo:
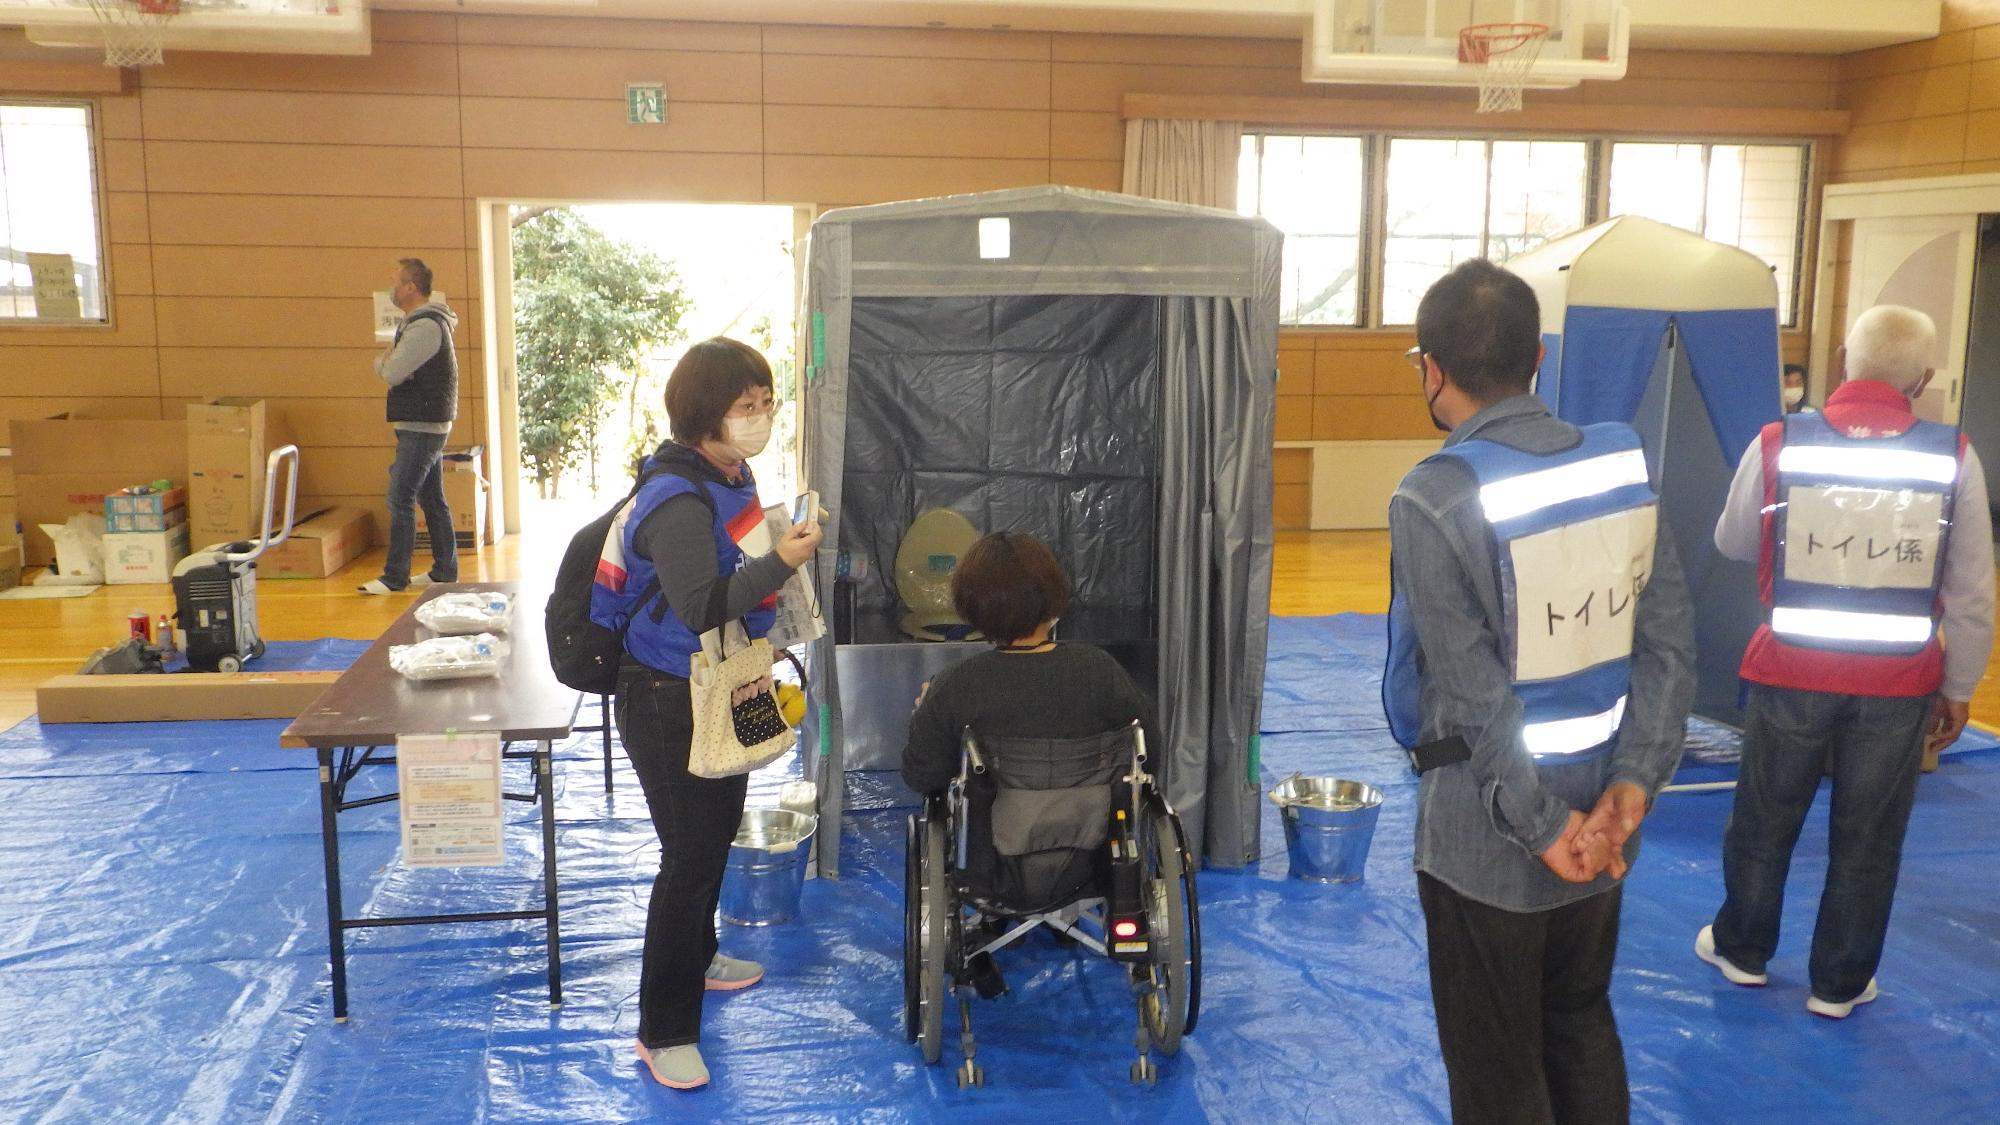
450 786
799 617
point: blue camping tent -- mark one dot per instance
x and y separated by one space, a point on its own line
1654 325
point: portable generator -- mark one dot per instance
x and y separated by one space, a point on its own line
215 588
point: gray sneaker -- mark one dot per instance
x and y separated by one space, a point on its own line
1704 948
678 1068
727 974
1841 1010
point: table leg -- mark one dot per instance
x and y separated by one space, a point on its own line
545 782
329 832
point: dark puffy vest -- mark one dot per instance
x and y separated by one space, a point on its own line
431 394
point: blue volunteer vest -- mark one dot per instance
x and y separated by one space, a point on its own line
666 642
1859 534
1572 536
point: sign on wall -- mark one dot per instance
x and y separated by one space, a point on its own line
645 104
56 295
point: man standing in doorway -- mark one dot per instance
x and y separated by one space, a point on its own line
1541 667
1870 530
1795 389
422 372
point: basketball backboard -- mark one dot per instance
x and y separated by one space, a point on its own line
317 27
1416 42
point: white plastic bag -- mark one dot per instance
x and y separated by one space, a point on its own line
479 611
449 658
79 550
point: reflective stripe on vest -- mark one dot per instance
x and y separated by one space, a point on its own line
1573 536
1859 534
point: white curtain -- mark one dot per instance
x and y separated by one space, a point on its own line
1183 161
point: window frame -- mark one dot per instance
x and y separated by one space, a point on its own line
93 124
1597 199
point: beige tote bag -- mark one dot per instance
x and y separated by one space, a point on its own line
733 739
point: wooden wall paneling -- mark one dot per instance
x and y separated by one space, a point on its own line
1086 136
293 221
83 406
230 168
892 42
1379 369
297 271
842 180
1983 84
1291 507
559 31
1291 466
891 131
131 326
1370 417
132 269
603 72
599 124
391 67
124 167
285 372
118 117
1097 87
291 117
125 218
1294 418
548 174
1178 50
1097 175
1295 368
937 83
108 372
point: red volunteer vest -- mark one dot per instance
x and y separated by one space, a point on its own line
1858 409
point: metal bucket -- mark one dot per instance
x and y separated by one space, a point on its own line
1329 823
767 866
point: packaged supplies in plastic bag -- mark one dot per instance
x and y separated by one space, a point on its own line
479 611
449 658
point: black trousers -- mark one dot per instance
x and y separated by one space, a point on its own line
1524 1009
696 818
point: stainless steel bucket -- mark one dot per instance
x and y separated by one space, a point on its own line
1329 824
767 866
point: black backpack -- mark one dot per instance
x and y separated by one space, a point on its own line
583 654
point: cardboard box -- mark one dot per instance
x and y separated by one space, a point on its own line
321 543
10 566
227 440
189 695
65 465
135 557
465 491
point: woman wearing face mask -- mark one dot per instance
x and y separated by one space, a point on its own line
719 408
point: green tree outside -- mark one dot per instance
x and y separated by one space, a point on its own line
587 308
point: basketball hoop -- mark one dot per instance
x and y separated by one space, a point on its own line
134 29
1506 52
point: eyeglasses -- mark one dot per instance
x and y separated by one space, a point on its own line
1415 358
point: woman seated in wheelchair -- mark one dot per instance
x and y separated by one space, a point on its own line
1053 721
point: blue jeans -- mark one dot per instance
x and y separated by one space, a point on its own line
416 478
1871 746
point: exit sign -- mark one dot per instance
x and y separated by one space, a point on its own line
645 104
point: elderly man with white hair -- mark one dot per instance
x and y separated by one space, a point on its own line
1875 554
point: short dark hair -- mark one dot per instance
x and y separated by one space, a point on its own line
1798 369
1483 326
1007 584
707 382
418 273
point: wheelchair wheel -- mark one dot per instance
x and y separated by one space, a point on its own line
913 931
1173 917
934 941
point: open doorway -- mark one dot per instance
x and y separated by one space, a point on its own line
606 298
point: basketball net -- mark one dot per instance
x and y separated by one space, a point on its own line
1505 54
134 29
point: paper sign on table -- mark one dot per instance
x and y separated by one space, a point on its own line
450 804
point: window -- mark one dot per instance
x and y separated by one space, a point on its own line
1450 200
1749 196
1312 189
1434 202
51 258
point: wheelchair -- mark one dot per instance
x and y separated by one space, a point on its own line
1071 834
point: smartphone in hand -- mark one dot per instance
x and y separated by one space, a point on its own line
806 508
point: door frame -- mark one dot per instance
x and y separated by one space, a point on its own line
1929 196
496 290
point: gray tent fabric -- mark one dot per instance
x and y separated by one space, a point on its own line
1106 383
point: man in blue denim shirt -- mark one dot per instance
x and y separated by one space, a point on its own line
1520 887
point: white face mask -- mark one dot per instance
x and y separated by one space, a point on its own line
1794 395
747 436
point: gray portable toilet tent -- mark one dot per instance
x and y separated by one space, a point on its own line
1095 369
1657 326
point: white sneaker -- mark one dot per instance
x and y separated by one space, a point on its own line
1704 948
376 586
678 1068
419 581
727 974
1840 1011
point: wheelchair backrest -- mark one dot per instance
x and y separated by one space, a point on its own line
1052 793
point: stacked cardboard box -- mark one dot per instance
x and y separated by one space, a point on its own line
465 491
65 465
227 440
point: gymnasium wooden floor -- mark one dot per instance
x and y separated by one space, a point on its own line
1312 573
